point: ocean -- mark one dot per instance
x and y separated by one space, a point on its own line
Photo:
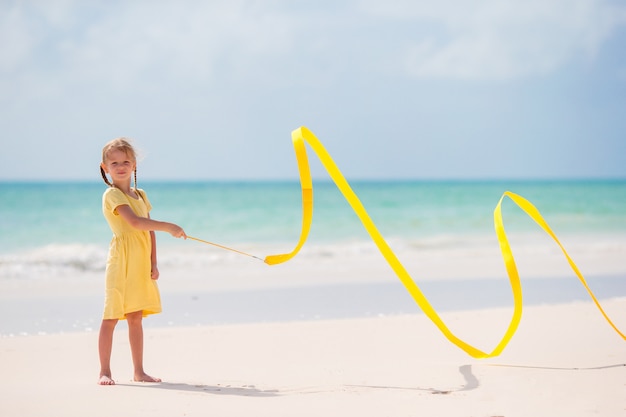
64 214
60 224
52 230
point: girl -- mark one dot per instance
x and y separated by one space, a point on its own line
131 269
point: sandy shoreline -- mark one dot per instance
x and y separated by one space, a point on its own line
29 313
340 337
564 360
319 284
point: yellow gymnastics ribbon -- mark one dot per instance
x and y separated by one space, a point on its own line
302 135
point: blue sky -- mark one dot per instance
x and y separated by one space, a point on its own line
487 89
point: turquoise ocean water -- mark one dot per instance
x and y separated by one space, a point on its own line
52 231
66 218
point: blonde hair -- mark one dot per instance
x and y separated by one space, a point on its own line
119 144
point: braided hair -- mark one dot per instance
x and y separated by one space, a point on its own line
105 178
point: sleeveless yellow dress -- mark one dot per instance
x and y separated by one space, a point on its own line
129 286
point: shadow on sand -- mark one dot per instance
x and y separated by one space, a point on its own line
244 390
471 383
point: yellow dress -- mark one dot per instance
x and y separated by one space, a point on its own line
129 286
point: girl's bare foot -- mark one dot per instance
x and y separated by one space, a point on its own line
105 380
146 378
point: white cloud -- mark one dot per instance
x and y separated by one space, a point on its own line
16 39
121 44
500 39
184 42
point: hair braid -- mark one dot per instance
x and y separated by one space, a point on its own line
104 177
136 179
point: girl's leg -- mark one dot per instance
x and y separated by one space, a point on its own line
135 336
105 346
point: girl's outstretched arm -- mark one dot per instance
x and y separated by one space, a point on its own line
146 223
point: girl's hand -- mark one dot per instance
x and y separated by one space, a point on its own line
155 272
177 231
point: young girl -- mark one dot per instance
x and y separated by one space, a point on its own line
131 269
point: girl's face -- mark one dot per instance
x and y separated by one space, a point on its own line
119 166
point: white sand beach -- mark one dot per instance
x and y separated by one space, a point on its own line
564 360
